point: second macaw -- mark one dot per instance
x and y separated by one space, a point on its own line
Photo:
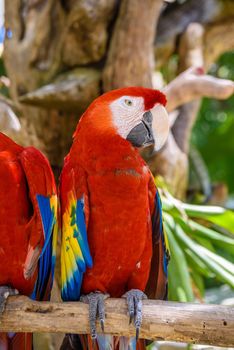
113 242
28 230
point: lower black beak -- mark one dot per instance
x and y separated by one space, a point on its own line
142 133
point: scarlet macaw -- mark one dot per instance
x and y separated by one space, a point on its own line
112 235
28 225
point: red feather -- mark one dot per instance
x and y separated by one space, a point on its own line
24 172
121 194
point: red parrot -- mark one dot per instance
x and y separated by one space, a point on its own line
28 227
113 242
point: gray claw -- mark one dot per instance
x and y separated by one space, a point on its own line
137 333
134 301
131 316
96 307
102 324
5 292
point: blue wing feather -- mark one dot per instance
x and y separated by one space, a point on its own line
75 256
82 238
158 230
48 208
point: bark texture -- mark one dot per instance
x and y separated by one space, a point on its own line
60 55
49 37
130 59
192 323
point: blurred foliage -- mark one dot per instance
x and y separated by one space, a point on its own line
200 239
213 133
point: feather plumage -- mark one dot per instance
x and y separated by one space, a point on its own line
123 214
28 225
75 253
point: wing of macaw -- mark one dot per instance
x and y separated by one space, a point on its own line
75 253
157 282
42 191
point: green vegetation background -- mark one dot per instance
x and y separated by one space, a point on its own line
213 133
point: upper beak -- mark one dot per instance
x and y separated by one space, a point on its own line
152 130
160 126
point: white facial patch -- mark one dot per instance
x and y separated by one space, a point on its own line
160 125
127 112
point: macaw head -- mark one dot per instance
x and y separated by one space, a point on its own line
136 114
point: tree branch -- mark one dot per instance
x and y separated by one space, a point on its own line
130 59
193 84
196 323
216 16
72 91
190 55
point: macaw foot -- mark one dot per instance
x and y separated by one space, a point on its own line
5 292
134 301
96 309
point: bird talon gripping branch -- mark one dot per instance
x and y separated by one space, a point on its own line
5 292
134 299
96 308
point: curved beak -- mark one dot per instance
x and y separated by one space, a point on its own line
160 126
152 130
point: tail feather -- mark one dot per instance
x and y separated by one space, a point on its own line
16 341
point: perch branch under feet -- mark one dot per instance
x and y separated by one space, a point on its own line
193 323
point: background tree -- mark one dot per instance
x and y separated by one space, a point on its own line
60 55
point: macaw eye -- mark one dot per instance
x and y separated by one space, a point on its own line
128 102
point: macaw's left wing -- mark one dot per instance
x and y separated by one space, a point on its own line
157 283
43 235
75 253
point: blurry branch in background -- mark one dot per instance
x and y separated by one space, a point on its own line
215 16
200 44
70 91
185 92
193 84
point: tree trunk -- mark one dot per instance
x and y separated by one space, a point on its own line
130 58
49 37
62 53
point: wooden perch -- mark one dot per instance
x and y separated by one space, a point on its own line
193 323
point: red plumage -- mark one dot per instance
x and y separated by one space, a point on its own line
24 172
118 187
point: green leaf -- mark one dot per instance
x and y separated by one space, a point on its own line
195 263
197 242
224 263
205 243
194 209
214 214
217 239
181 294
178 269
217 215
220 266
198 281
